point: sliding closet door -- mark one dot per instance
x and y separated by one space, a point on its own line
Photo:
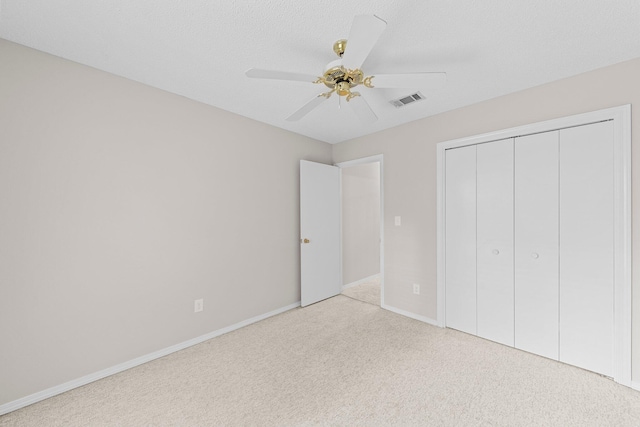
460 239
495 241
536 244
586 247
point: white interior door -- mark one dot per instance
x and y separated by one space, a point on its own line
460 239
536 244
319 232
586 247
495 241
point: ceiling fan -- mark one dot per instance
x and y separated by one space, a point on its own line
344 74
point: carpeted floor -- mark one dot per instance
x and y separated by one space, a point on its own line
343 363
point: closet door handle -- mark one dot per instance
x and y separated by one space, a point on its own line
535 255
495 252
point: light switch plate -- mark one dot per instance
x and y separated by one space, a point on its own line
398 221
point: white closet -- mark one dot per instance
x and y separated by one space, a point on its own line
529 243
586 225
494 250
461 239
536 250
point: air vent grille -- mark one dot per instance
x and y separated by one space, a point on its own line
405 100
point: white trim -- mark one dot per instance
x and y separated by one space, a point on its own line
361 281
635 385
546 126
361 161
61 388
341 232
440 248
414 316
622 246
621 117
378 158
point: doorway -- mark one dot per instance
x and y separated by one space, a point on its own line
362 230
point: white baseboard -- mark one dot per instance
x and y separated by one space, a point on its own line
635 385
50 392
361 281
410 315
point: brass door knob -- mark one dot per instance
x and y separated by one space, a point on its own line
306 241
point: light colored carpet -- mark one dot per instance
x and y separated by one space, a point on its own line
366 292
343 363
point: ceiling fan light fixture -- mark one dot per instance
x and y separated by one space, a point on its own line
343 88
341 79
352 95
345 73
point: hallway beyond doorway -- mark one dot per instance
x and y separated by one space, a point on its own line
368 292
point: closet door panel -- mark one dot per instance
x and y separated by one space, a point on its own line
495 315
586 247
460 239
536 244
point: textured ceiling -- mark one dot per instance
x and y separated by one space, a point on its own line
201 49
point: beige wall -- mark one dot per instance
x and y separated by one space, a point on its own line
360 222
410 172
119 205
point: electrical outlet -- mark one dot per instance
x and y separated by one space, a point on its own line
416 289
398 221
198 305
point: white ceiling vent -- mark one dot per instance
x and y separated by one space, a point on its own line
401 102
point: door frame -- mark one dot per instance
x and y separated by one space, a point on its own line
379 158
621 117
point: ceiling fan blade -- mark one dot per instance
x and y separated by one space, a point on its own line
413 80
257 73
362 109
365 32
306 108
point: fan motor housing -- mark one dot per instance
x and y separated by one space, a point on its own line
337 74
